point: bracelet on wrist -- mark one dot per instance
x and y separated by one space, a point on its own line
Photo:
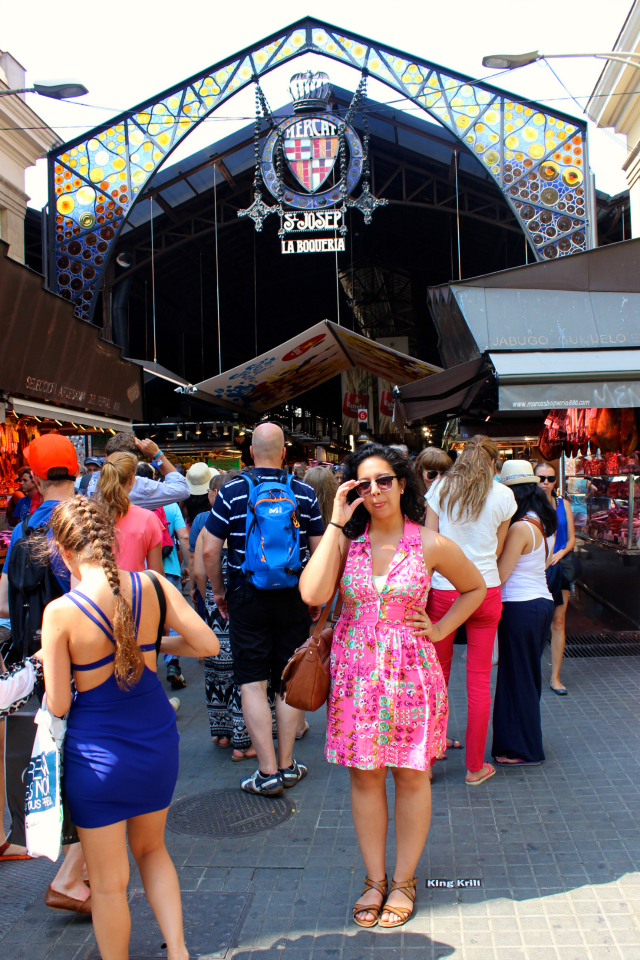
332 524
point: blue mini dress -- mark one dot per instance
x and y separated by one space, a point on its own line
121 748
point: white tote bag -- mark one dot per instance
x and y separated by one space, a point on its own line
43 803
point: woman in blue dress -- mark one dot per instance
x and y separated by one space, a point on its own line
121 748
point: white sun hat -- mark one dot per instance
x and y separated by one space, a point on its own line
198 477
517 471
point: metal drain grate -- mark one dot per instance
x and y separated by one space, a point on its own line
622 644
227 813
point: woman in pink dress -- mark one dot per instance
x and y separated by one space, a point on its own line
388 701
138 544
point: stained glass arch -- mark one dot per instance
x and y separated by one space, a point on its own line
538 158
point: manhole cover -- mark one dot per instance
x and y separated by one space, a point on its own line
227 813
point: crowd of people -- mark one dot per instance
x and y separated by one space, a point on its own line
94 590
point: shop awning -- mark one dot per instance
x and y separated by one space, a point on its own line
311 358
452 389
49 354
51 411
567 378
588 301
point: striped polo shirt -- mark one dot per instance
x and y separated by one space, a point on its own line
228 517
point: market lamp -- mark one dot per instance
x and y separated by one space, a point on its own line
501 61
511 61
54 89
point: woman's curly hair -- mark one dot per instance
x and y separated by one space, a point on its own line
411 502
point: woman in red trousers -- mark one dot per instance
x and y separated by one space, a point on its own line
472 509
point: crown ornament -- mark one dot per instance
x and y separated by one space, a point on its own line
310 91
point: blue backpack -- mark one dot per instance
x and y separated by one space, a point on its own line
272 551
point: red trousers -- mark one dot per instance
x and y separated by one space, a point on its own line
481 632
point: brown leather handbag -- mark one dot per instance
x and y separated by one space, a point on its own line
305 678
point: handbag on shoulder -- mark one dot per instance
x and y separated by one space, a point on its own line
305 678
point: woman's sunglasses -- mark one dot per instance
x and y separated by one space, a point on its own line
550 479
432 474
383 484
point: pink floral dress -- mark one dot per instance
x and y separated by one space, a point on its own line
388 700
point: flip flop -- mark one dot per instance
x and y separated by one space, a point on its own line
559 691
517 762
299 736
243 757
12 856
476 783
455 744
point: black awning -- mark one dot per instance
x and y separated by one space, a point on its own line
453 389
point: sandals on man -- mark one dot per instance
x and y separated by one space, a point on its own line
408 887
381 887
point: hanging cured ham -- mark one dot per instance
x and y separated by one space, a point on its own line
628 431
608 429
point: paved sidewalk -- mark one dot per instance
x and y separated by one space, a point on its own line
557 847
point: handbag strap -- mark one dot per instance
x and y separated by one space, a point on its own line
320 625
536 523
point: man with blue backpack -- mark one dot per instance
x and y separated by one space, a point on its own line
269 520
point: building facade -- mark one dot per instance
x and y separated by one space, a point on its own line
24 139
615 102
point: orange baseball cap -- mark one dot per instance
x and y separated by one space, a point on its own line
52 452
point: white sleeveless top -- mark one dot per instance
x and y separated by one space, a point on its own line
527 580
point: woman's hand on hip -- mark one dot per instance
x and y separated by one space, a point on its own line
342 511
420 622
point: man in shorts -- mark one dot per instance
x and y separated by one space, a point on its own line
265 626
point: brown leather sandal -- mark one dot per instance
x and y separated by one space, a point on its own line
381 887
408 887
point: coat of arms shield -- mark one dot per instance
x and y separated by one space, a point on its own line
311 158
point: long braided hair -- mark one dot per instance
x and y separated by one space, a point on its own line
84 527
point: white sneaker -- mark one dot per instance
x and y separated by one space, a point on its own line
175 703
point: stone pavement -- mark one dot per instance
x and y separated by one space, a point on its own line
557 848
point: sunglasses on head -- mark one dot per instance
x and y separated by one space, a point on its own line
432 474
549 479
383 484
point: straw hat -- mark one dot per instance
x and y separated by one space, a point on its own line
198 477
517 471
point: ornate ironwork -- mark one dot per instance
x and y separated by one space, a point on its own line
537 157
366 203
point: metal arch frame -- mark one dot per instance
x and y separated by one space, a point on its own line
464 105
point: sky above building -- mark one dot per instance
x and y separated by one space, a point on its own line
129 50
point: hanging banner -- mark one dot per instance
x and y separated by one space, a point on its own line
385 386
356 396
385 406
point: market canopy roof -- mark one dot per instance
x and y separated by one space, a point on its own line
305 361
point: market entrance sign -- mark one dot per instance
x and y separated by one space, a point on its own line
536 157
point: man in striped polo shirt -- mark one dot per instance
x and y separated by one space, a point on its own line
265 626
